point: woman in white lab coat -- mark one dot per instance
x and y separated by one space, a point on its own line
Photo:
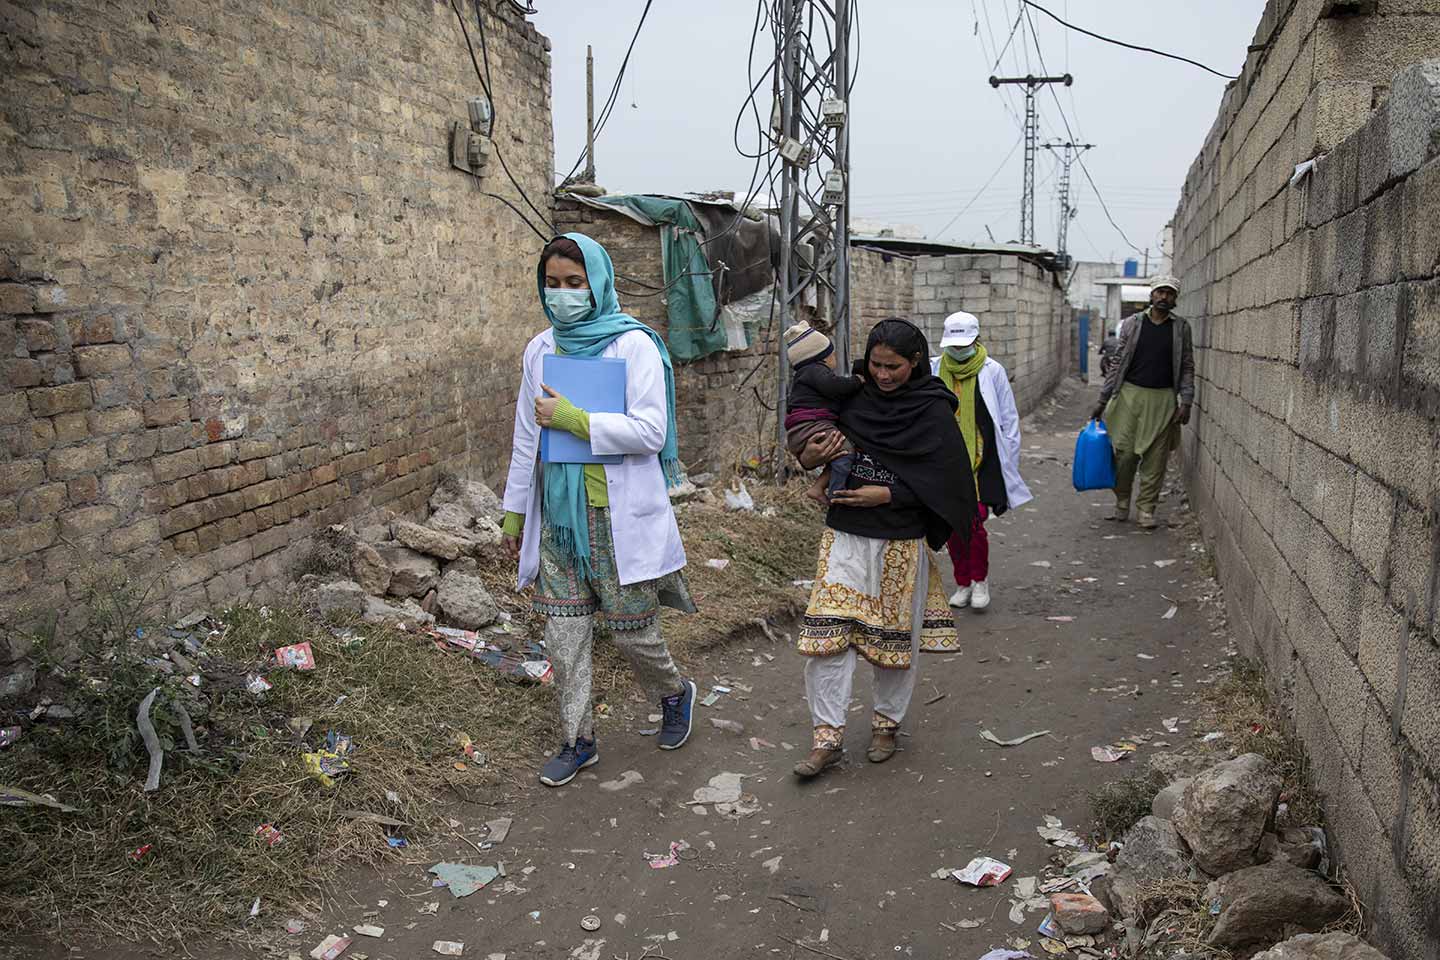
598 539
992 435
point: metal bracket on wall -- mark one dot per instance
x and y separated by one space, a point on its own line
469 151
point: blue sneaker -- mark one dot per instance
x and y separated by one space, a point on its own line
679 712
571 759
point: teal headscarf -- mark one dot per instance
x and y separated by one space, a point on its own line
564 506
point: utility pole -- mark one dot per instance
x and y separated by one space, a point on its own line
589 115
1067 152
812 134
1032 123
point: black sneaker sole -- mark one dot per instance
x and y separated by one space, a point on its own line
694 697
560 783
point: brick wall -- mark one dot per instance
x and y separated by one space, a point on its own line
1024 320
1311 459
724 404
242 292
882 284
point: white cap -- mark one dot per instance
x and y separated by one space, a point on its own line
961 330
1161 282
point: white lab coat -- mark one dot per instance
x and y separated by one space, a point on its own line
647 539
999 399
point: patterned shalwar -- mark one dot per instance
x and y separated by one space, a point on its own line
631 611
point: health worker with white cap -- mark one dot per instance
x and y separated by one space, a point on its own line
988 420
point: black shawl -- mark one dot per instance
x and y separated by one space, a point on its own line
912 431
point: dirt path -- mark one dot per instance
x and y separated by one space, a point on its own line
844 863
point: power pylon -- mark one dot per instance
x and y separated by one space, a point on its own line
1027 193
1067 152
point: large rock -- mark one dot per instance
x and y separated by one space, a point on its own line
1326 946
1163 806
370 571
1152 850
473 497
407 611
338 596
1264 904
411 574
1226 811
1170 767
1302 847
428 540
465 602
477 533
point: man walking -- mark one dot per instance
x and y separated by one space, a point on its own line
1148 391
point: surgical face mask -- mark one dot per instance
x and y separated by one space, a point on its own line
960 353
568 306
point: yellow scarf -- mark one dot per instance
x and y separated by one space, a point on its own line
960 376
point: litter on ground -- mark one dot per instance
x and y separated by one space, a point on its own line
463 879
1107 754
987 735
982 872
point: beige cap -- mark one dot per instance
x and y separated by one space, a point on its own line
803 342
1170 282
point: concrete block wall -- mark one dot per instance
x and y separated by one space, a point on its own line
724 402
1024 320
243 294
882 284
1312 455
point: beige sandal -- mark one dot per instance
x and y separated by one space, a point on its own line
882 746
819 759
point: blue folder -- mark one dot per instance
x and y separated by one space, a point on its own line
594 384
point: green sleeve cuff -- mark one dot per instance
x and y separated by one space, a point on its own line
571 419
514 524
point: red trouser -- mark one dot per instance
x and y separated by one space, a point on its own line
971 560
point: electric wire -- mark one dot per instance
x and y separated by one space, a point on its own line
614 91
986 184
460 18
1128 46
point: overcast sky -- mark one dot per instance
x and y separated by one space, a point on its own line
927 129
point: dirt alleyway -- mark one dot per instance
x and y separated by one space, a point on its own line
845 862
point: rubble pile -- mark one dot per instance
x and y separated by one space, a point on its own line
413 573
1216 826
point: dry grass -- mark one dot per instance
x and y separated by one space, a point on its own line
405 703
1246 714
1117 805
1178 916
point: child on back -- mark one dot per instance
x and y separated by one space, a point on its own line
816 395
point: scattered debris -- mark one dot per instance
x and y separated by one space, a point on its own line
463 879
773 864
294 925
499 829
659 861
152 742
15 797
729 726
1164 563
1054 832
369 930
9 735
987 735
269 834
982 872
1171 724
723 788
448 948
1170 614
1040 563
1108 754
626 779
330 948
139 852
297 655
1061 619
717 564
590 923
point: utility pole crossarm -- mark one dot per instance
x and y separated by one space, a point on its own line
1031 83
